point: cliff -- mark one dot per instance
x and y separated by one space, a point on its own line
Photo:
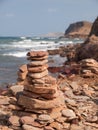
78 30
89 49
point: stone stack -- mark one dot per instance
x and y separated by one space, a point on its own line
22 72
89 67
41 93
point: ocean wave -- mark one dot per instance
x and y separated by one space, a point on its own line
16 54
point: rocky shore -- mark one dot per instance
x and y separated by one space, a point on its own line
39 101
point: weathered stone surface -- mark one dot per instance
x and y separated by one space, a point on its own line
37 53
22 76
79 29
4 100
66 126
56 125
14 120
45 117
56 112
27 120
29 127
40 104
23 68
68 113
76 127
37 58
48 128
37 69
89 67
89 49
37 63
38 75
61 119
47 79
89 63
41 90
43 95
14 107
16 89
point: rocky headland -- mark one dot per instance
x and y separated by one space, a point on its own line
79 29
39 101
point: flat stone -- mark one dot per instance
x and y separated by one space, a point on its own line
29 127
27 120
37 69
35 95
76 127
66 126
68 113
4 100
37 53
61 119
56 125
23 68
41 90
21 75
47 79
14 120
70 101
14 107
38 63
48 128
32 103
38 75
37 58
74 85
56 112
45 117
16 89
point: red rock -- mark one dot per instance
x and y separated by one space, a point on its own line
4 100
45 118
37 58
27 120
41 90
22 76
29 127
69 113
32 103
16 89
14 120
47 79
38 75
37 63
23 68
48 128
37 69
35 95
37 53
56 125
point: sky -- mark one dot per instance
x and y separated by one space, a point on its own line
37 17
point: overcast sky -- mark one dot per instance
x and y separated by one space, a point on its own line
35 17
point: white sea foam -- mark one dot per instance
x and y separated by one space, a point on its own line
16 54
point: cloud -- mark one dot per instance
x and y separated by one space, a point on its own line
50 10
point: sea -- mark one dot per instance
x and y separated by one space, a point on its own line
13 52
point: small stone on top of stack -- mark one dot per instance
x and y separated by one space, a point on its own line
40 89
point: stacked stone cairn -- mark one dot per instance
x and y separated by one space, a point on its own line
41 94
